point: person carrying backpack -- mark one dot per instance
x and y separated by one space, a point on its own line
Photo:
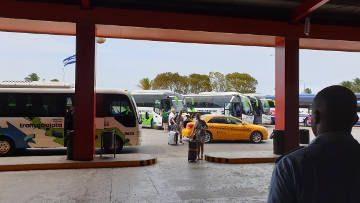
198 134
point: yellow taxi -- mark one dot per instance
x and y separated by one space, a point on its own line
228 128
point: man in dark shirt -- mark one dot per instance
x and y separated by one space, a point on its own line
328 170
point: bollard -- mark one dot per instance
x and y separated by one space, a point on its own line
304 137
109 141
278 141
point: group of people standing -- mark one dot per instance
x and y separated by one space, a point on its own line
173 121
176 122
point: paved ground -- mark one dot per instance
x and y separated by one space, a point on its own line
173 179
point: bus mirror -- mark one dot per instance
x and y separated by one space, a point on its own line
147 115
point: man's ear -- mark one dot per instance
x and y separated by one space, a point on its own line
316 118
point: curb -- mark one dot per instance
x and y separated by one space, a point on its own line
240 160
78 165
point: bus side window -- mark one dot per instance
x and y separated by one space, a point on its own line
122 111
29 105
11 105
100 112
2 105
49 106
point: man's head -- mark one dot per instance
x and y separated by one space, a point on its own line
333 109
197 116
180 112
172 110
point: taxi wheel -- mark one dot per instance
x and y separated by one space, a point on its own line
256 137
208 137
6 146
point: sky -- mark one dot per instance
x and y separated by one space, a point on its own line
121 63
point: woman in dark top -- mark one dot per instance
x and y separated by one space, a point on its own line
200 128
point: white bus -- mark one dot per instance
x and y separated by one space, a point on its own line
221 103
35 117
151 102
261 106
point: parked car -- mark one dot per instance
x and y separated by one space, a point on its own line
229 128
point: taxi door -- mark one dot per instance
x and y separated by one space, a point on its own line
218 128
237 130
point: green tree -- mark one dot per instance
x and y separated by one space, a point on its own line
352 85
240 82
54 80
307 91
199 83
32 77
145 84
217 81
171 81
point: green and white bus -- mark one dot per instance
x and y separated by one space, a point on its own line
151 102
261 106
33 117
221 103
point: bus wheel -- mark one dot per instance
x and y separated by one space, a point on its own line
256 137
208 137
6 146
119 143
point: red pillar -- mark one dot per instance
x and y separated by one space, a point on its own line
84 116
287 89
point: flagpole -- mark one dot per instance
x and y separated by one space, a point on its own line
63 74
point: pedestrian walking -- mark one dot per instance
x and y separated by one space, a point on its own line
198 134
179 124
171 120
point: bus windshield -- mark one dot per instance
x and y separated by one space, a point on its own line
178 105
247 109
265 106
136 109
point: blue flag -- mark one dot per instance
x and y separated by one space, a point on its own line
70 60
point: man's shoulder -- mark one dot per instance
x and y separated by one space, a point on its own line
293 154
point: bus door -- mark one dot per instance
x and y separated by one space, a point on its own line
228 109
266 113
157 118
232 109
247 110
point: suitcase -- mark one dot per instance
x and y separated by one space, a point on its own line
173 138
193 151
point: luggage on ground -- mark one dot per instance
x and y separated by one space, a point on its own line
173 138
193 150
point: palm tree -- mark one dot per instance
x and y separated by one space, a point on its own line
145 84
